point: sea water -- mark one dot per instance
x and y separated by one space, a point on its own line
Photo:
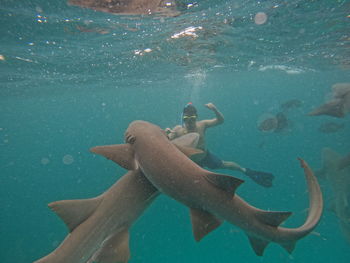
73 78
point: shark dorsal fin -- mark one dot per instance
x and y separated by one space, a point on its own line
203 223
121 154
115 249
225 182
272 218
74 212
258 244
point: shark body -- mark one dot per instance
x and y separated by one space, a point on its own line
99 227
339 105
339 180
209 196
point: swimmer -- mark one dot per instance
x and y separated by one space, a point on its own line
210 160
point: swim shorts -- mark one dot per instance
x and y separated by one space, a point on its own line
211 161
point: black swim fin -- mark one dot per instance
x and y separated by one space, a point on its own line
262 178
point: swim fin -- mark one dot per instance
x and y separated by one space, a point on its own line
262 178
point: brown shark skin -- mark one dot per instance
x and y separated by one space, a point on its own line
128 7
120 206
175 175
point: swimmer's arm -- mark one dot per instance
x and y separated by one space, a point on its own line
219 117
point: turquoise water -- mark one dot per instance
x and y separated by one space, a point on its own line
73 78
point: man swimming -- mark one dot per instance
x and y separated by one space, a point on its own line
190 124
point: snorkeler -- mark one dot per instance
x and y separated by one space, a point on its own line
190 124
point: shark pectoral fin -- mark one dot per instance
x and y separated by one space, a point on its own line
258 245
225 182
74 212
121 154
272 218
203 223
115 249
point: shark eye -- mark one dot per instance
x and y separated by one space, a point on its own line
130 138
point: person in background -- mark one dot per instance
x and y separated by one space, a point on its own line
210 160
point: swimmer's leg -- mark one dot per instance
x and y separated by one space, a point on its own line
261 178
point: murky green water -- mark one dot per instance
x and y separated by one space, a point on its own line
73 78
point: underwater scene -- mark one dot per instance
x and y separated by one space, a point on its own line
265 83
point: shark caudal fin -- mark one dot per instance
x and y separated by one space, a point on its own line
74 212
121 154
273 219
259 245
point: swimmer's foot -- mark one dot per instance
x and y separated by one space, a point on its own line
262 178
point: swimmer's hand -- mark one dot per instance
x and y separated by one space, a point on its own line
170 133
168 130
210 106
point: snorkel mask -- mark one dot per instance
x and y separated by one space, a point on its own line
188 112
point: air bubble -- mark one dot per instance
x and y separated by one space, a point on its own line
260 18
68 159
45 161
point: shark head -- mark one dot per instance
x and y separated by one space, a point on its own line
141 128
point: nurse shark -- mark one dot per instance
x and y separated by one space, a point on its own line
339 180
99 227
210 196
339 105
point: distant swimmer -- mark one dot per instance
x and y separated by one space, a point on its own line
274 123
210 160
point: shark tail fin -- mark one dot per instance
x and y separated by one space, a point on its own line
258 244
74 212
121 154
203 223
273 219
